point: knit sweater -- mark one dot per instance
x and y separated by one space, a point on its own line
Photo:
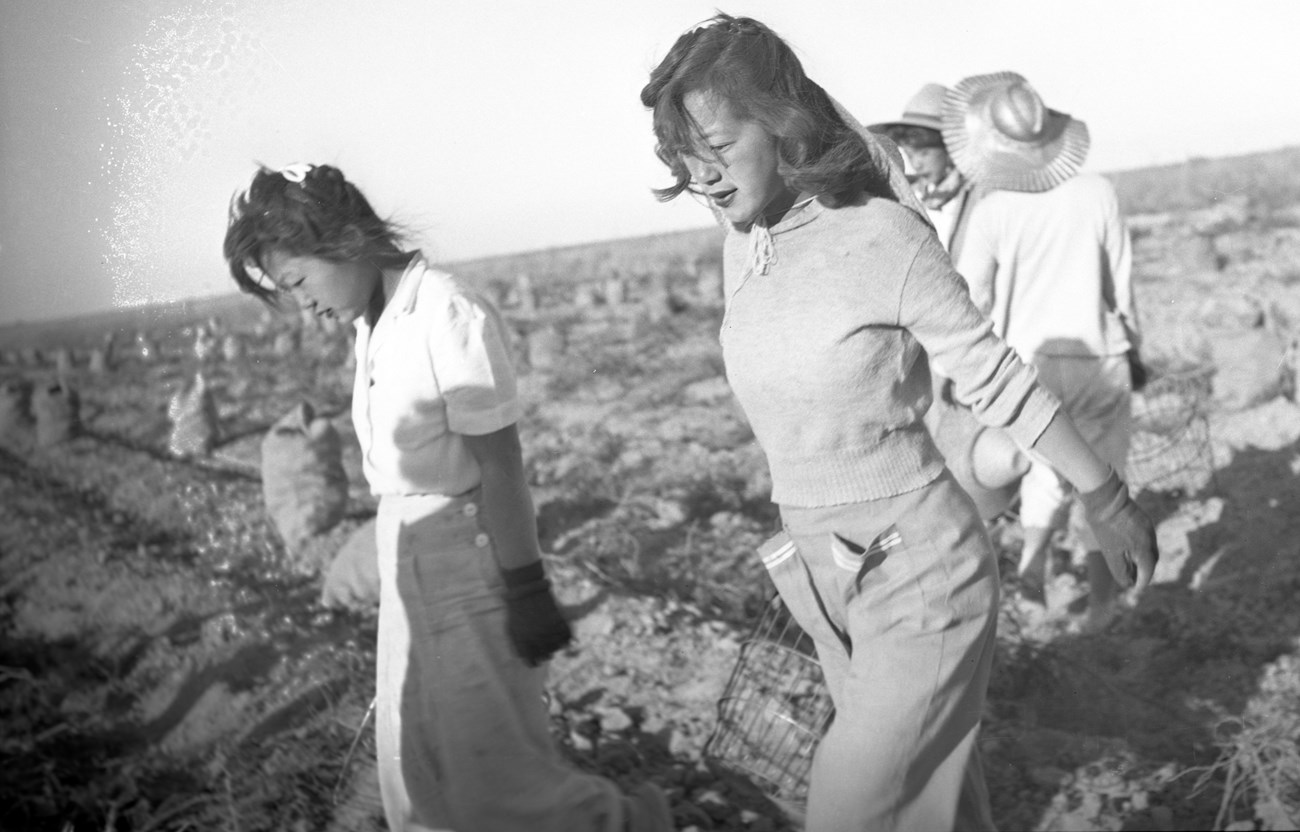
827 353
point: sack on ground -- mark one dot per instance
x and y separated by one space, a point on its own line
1250 367
304 484
352 580
58 413
15 408
193 415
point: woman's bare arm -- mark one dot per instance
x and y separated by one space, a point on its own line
1061 446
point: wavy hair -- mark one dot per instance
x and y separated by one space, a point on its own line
316 213
748 65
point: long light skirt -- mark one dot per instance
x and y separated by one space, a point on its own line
462 729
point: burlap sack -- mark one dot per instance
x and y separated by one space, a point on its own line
352 580
985 461
546 346
63 363
304 484
1250 367
1249 344
99 360
15 409
205 344
525 295
232 347
57 408
615 290
193 413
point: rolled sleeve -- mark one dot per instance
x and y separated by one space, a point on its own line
471 360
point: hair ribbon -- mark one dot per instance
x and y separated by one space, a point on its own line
296 172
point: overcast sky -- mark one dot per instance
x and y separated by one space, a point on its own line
494 126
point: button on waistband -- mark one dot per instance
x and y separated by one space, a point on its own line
481 541
470 509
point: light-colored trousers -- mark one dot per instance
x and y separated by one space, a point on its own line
461 726
900 595
1096 393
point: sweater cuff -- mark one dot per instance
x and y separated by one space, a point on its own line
1039 409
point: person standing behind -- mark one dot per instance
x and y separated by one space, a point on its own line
1047 258
466 614
947 195
985 460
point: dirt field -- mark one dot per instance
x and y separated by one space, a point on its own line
165 664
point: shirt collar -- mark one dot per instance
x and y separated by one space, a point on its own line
404 295
408 287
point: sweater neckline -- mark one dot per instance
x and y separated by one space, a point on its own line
798 217
762 248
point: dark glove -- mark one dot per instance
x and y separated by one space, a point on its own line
533 621
1136 369
1125 533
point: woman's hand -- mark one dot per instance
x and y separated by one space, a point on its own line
534 623
1123 530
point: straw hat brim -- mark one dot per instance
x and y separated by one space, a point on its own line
988 156
928 122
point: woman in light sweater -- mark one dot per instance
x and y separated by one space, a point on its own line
837 291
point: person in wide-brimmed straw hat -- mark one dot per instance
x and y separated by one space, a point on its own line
986 461
1047 257
1000 134
940 186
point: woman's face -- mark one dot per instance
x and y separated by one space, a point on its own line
342 291
736 166
931 164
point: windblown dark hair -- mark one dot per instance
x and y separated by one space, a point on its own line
324 216
745 63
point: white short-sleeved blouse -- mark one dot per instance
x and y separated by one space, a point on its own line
435 366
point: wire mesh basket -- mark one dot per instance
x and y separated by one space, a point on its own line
774 709
1170 440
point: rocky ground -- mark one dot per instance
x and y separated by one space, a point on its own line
166 664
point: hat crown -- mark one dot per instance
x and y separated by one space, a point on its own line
999 133
928 102
1018 112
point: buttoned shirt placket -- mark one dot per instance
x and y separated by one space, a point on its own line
369 339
